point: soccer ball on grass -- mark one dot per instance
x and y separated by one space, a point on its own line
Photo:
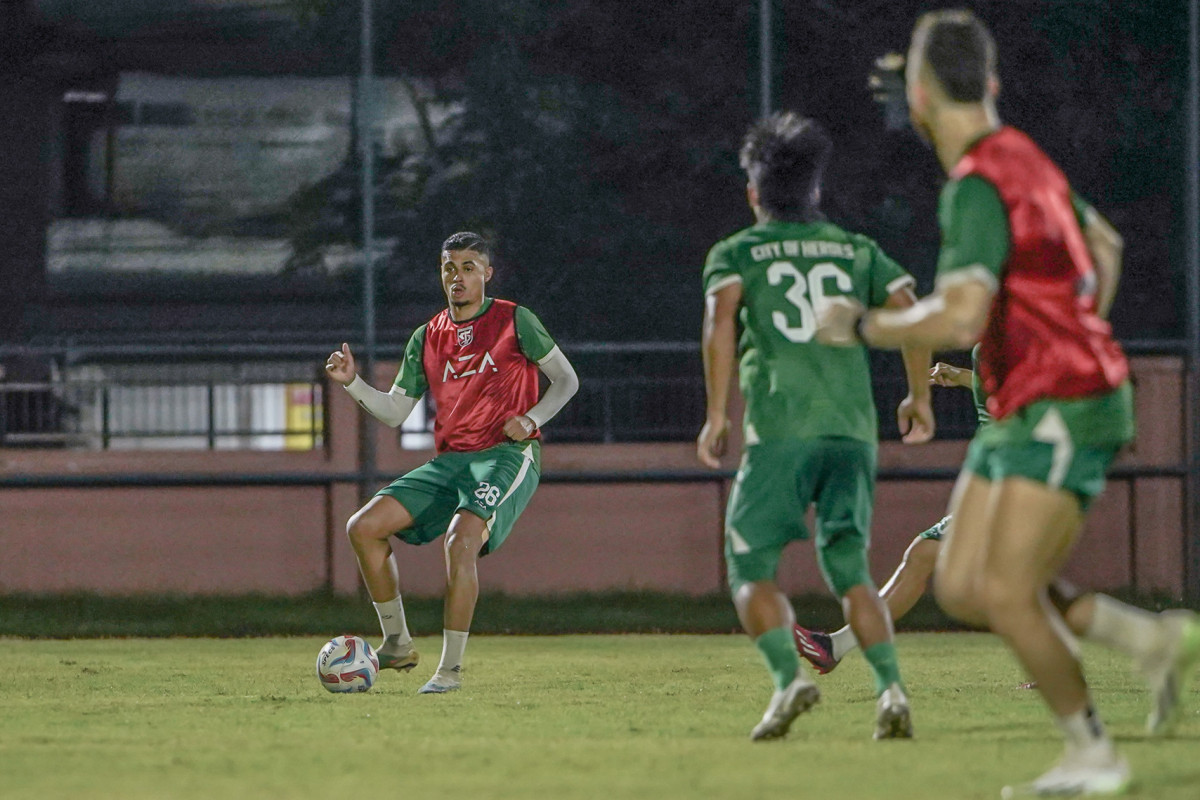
347 664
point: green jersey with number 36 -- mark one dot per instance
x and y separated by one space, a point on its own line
795 387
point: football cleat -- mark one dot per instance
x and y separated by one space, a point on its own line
797 697
398 657
816 648
1096 772
1168 672
449 680
893 719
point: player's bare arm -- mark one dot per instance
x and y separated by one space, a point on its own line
953 317
1106 247
718 345
914 415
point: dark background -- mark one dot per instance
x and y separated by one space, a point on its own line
597 143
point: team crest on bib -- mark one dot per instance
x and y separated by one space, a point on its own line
466 335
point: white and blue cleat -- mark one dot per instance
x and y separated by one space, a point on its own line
448 680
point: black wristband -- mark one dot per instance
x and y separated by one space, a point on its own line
859 324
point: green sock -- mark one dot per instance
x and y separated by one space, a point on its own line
778 649
884 666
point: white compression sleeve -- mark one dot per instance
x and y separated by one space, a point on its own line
391 408
564 383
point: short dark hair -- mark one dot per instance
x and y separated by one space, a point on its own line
959 50
466 240
785 155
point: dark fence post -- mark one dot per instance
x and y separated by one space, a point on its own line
105 407
212 416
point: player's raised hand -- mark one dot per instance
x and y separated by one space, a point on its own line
519 428
340 365
943 374
836 321
712 441
915 418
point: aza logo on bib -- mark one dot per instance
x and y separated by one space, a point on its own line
466 365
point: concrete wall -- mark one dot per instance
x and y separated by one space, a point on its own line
573 537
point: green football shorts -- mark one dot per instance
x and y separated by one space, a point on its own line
774 487
1065 444
494 484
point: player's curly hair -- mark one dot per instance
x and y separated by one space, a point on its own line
466 240
960 51
785 156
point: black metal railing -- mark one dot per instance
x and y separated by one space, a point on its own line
203 396
105 414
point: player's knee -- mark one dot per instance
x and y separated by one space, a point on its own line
362 528
463 544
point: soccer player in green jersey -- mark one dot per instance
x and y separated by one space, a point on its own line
480 359
810 427
1018 274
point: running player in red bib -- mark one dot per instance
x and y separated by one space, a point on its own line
1019 274
1156 642
480 359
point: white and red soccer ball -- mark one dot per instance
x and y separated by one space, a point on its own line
347 664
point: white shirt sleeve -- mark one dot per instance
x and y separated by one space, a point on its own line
564 383
390 408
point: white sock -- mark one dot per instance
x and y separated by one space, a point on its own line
843 641
391 619
1083 730
453 645
1126 628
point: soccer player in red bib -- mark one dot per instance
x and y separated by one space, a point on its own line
1018 273
480 359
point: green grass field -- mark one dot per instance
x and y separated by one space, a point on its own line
635 716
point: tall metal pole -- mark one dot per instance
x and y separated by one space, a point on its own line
1192 268
764 54
366 143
